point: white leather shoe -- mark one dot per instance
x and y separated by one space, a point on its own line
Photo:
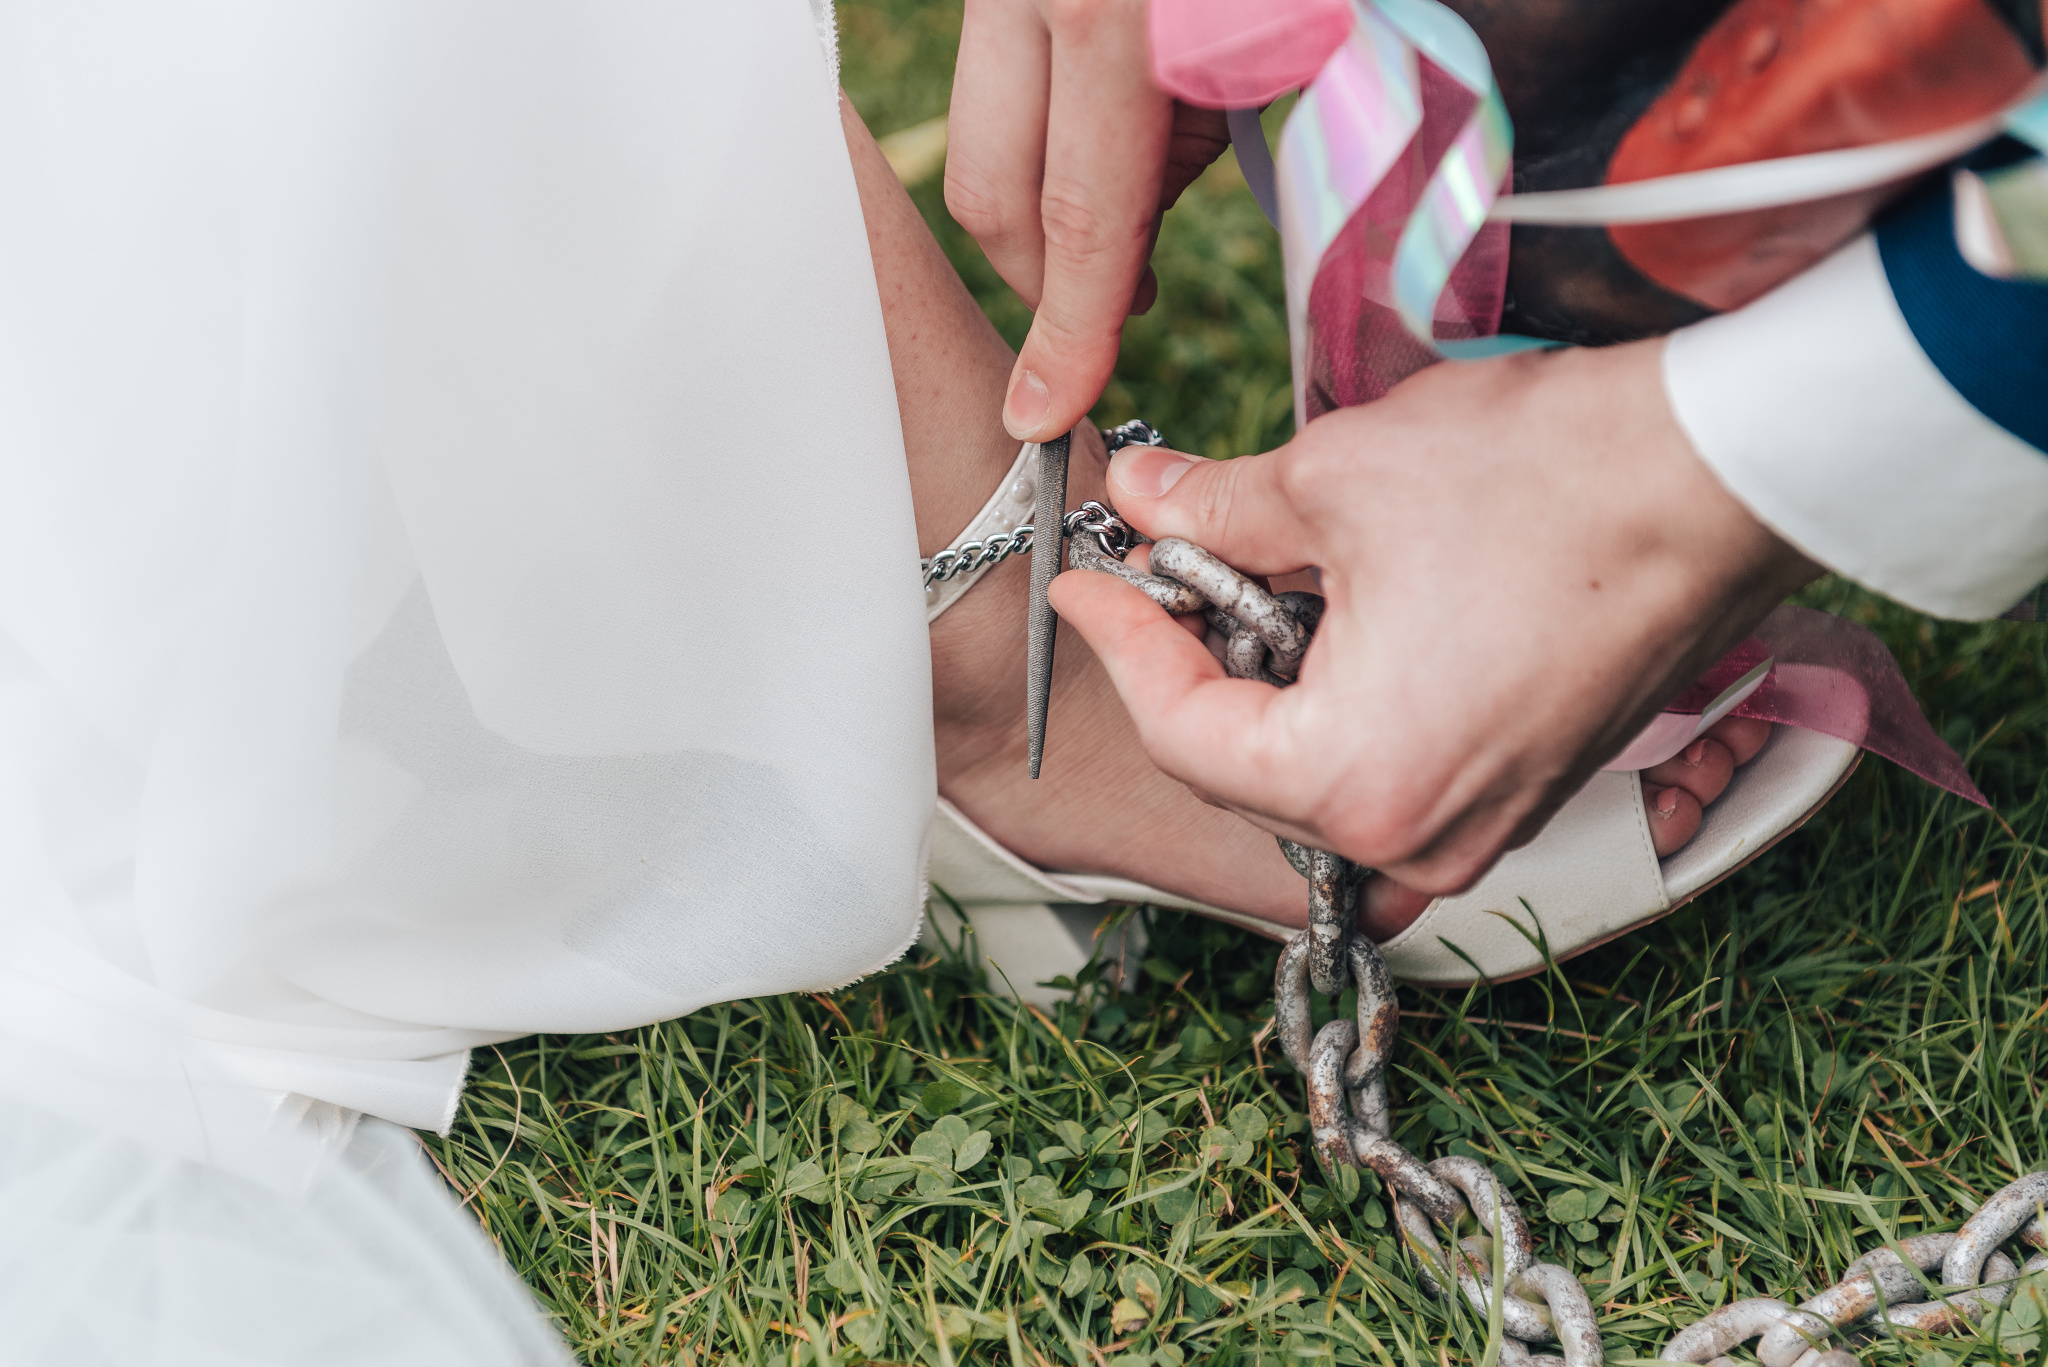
1590 876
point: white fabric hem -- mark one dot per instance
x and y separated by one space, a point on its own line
1817 409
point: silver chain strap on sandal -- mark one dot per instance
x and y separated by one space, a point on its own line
970 556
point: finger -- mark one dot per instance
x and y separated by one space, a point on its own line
1701 769
1251 749
1199 136
1230 739
1107 130
1241 509
1674 818
995 137
1743 736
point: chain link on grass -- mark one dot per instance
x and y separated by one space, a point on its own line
1265 636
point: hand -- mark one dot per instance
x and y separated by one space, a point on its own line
1061 156
1523 558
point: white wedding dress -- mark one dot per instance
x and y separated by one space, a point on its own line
457 579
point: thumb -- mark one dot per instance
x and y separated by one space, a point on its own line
1239 509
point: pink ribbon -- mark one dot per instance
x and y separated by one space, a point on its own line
1358 347
1221 54
1833 676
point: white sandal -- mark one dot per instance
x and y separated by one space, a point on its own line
1591 875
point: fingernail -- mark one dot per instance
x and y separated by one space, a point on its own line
1696 753
1149 471
1666 802
1025 409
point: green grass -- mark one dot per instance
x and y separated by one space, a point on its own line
1839 1045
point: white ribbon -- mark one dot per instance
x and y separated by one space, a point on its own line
1755 184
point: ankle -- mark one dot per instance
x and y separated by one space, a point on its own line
978 644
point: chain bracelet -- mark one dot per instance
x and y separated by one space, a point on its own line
969 556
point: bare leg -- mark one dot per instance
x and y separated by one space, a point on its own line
1101 806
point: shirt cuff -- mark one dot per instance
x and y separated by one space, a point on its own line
1821 414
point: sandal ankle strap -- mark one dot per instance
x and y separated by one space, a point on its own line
1007 509
992 536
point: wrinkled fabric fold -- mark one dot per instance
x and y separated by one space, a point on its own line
392 397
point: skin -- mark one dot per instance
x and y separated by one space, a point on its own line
1103 805
1523 559
1507 572
1061 157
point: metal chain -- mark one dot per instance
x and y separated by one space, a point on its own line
969 556
1879 1288
1264 637
1344 1064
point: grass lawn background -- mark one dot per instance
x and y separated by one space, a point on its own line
1839 1045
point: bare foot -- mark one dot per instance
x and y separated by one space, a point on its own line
1101 806
1675 797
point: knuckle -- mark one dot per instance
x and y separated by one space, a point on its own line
1210 500
1365 821
1077 226
1078 18
1377 842
975 201
1061 333
1306 472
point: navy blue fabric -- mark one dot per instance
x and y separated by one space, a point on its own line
1987 337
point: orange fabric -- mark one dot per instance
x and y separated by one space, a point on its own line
1777 78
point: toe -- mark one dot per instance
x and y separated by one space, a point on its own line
1386 908
1674 817
1702 769
1743 736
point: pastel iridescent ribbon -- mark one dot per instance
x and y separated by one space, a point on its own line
1361 108
1468 178
1362 104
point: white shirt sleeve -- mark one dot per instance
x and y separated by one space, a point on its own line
1819 411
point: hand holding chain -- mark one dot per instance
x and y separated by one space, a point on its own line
1265 635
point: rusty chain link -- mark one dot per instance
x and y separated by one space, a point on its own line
1264 636
1889 1289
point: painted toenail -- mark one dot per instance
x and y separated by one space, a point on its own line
1696 753
1667 802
